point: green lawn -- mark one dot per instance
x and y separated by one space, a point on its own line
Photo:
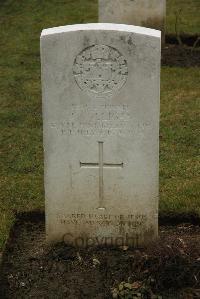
21 161
179 148
188 16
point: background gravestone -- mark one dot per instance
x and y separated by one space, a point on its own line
146 13
101 133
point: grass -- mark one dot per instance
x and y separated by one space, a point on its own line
21 161
188 16
180 98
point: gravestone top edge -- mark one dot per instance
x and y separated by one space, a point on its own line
101 26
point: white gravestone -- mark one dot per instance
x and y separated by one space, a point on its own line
146 13
101 133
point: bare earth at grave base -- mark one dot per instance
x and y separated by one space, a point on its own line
180 56
170 267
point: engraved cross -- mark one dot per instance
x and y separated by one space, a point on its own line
101 165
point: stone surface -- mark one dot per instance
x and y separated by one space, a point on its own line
147 13
101 133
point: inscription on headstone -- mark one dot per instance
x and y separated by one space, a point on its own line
100 89
100 70
100 165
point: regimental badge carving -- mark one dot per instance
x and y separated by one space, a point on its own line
100 70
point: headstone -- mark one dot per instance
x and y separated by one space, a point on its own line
146 13
101 132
